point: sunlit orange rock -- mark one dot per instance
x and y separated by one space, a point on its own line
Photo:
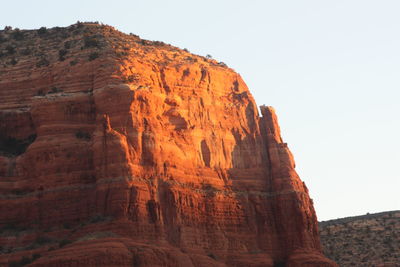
116 151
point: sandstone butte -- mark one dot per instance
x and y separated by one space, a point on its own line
117 151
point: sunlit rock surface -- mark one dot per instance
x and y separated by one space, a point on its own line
117 151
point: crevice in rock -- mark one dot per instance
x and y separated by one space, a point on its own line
206 154
163 81
11 147
153 209
17 132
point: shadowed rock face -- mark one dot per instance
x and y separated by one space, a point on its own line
144 155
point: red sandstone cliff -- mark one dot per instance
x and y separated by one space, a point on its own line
116 151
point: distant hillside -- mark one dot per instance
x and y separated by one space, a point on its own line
367 240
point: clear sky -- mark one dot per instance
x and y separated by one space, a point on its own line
331 69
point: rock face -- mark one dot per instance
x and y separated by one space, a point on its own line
367 240
117 151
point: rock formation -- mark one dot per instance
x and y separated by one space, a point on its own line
117 151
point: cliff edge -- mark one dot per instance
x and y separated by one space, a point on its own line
117 151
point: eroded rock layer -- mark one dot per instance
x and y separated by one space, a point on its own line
116 151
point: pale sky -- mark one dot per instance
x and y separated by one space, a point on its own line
330 68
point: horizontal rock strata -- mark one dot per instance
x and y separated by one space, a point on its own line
117 151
